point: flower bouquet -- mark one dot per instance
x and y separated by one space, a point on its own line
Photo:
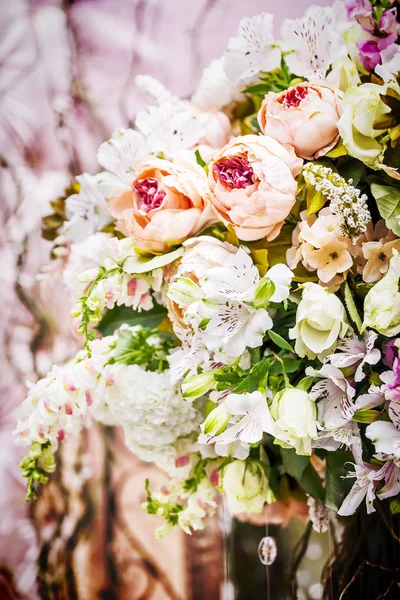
234 269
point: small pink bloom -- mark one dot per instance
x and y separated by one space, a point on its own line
68 409
182 461
370 51
304 116
69 385
89 399
60 435
132 285
214 477
253 187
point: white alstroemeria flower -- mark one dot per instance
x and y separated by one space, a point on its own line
87 210
316 41
236 280
215 89
385 437
334 395
354 351
252 50
256 419
234 323
170 128
239 450
120 154
347 435
235 327
366 477
186 359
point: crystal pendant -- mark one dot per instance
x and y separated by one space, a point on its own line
267 550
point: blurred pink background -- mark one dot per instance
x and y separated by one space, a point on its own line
67 73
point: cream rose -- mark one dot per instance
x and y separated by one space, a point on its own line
320 322
167 203
253 186
362 106
304 116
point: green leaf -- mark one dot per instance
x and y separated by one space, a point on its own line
336 487
351 306
311 482
294 464
315 200
305 383
252 381
119 315
352 169
395 506
338 151
388 201
290 365
143 264
260 89
279 341
199 159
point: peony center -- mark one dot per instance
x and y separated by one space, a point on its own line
149 194
234 172
294 97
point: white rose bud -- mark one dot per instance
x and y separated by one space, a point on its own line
295 418
320 322
382 303
246 486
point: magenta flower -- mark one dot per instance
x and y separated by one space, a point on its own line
370 51
388 22
361 11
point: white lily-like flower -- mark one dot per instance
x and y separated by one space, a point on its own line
252 50
385 437
364 487
354 351
119 155
215 89
316 41
87 210
256 419
334 395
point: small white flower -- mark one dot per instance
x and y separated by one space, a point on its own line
364 488
382 303
253 49
294 414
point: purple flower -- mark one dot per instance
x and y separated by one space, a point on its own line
391 380
361 11
391 351
388 22
370 51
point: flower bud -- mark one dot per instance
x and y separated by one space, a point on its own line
184 291
217 421
264 291
198 385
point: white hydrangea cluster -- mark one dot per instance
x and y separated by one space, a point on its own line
346 202
152 412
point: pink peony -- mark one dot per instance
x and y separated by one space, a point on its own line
304 116
253 187
167 203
